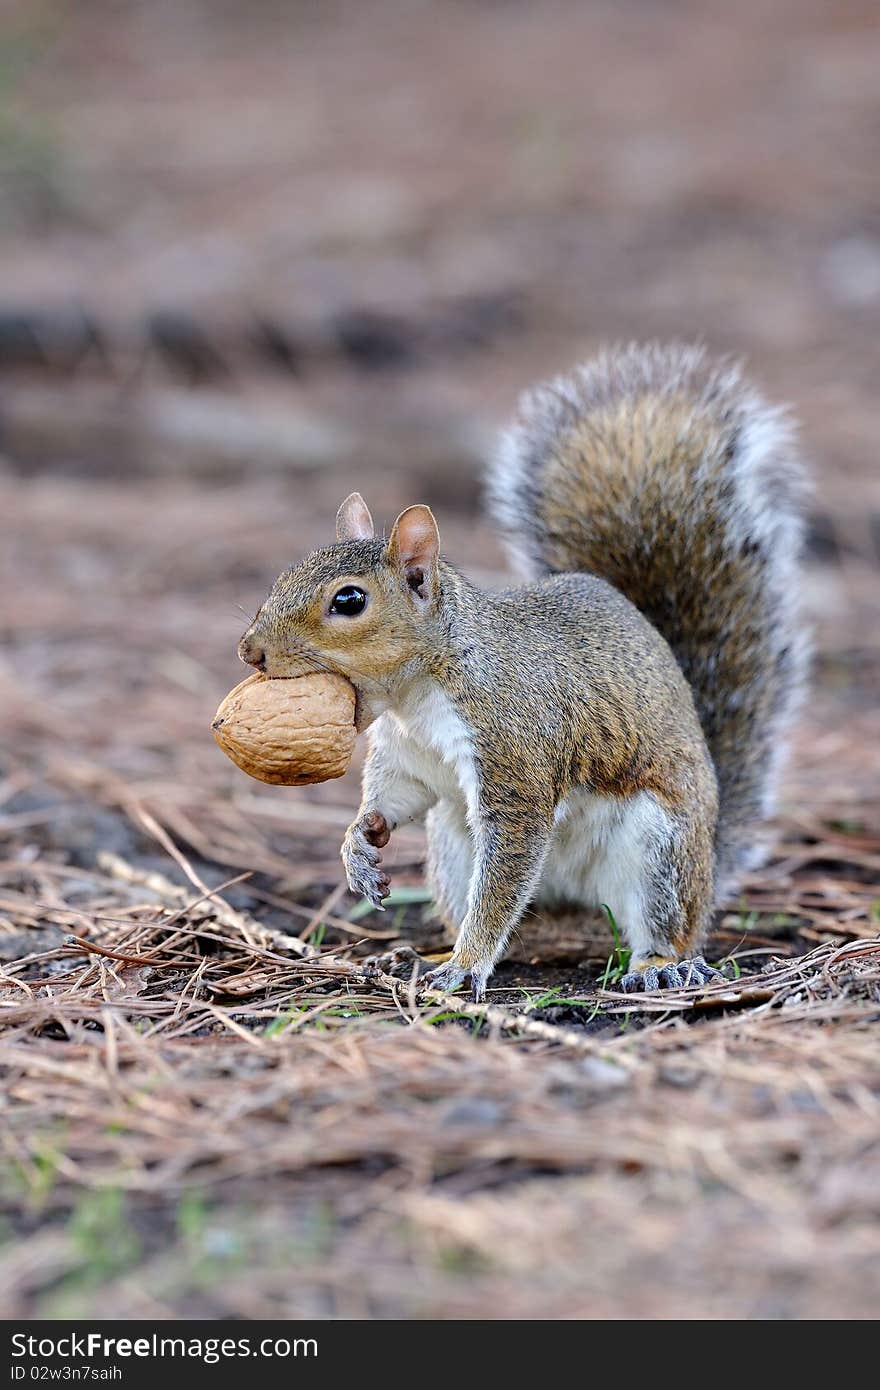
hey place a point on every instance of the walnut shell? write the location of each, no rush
(289, 731)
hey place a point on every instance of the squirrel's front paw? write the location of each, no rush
(401, 961)
(449, 976)
(362, 860)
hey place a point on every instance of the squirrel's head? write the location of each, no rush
(360, 607)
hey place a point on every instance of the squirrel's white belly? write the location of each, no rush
(598, 851)
(585, 824)
(599, 847)
(433, 745)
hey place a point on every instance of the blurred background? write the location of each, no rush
(254, 255)
(257, 254)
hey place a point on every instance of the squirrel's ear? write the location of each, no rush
(414, 548)
(353, 520)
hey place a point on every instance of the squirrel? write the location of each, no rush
(609, 734)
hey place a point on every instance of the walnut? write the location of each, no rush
(290, 731)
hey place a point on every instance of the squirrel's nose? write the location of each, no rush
(252, 652)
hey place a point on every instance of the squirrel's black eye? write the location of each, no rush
(348, 602)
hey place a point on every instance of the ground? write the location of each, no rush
(209, 1109)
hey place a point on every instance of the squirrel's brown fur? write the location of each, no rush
(671, 478)
(568, 740)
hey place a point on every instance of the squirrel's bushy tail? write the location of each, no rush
(668, 476)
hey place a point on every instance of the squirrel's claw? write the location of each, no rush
(403, 961)
(448, 977)
(368, 881)
(677, 975)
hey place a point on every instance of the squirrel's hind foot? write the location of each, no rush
(673, 975)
